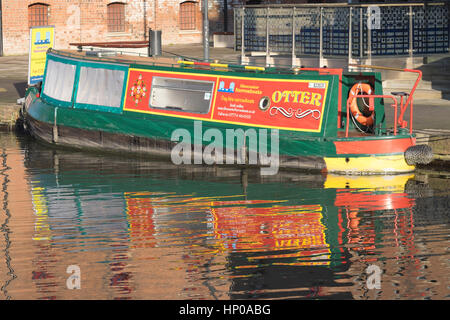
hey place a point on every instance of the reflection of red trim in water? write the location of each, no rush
(140, 218)
(272, 228)
(341, 232)
(121, 279)
(362, 236)
(239, 227)
(372, 201)
(404, 234)
(43, 276)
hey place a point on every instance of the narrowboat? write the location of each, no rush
(331, 120)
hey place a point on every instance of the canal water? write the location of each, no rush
(122, 227)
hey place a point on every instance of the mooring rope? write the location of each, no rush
(435, 135)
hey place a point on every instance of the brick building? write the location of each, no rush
(108, 21)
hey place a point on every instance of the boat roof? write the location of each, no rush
(119, 57)
(116, 57)
(173, 62)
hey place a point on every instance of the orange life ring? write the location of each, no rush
(357, 114)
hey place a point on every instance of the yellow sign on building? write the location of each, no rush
(41, 39)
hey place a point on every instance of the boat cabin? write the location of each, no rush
(308, 100)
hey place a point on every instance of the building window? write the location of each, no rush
(38, 15)
(116, 17)
(187, 15)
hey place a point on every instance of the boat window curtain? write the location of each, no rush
(100, 87)
(59, 80)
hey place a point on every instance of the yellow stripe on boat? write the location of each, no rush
(186, 62)
(219, 65)
(368, 165)
(255, 68)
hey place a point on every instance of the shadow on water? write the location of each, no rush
(21, 87)
(145, 229)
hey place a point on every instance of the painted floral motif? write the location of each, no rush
(138, 90)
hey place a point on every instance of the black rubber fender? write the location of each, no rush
(420, 154)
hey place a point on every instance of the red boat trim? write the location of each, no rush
(374, 146)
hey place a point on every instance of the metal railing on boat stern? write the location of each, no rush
(398, 119)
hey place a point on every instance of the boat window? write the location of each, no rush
(100, 87)
(59, 80)
(181, 94)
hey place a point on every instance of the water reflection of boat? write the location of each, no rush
(371, 193)
(356, 195)
(272, 233)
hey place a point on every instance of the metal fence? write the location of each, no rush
(330, 30)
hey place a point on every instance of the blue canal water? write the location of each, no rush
(137, 228)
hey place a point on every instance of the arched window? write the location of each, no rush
(116, 17)
(38, 14)
(187, 15)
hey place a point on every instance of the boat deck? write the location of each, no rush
(356, 134)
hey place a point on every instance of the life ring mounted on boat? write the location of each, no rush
(366, 119)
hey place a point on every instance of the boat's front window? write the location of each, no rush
(100, 87)
(59, 80)
(181, 94)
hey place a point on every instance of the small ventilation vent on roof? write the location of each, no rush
(95, 53)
